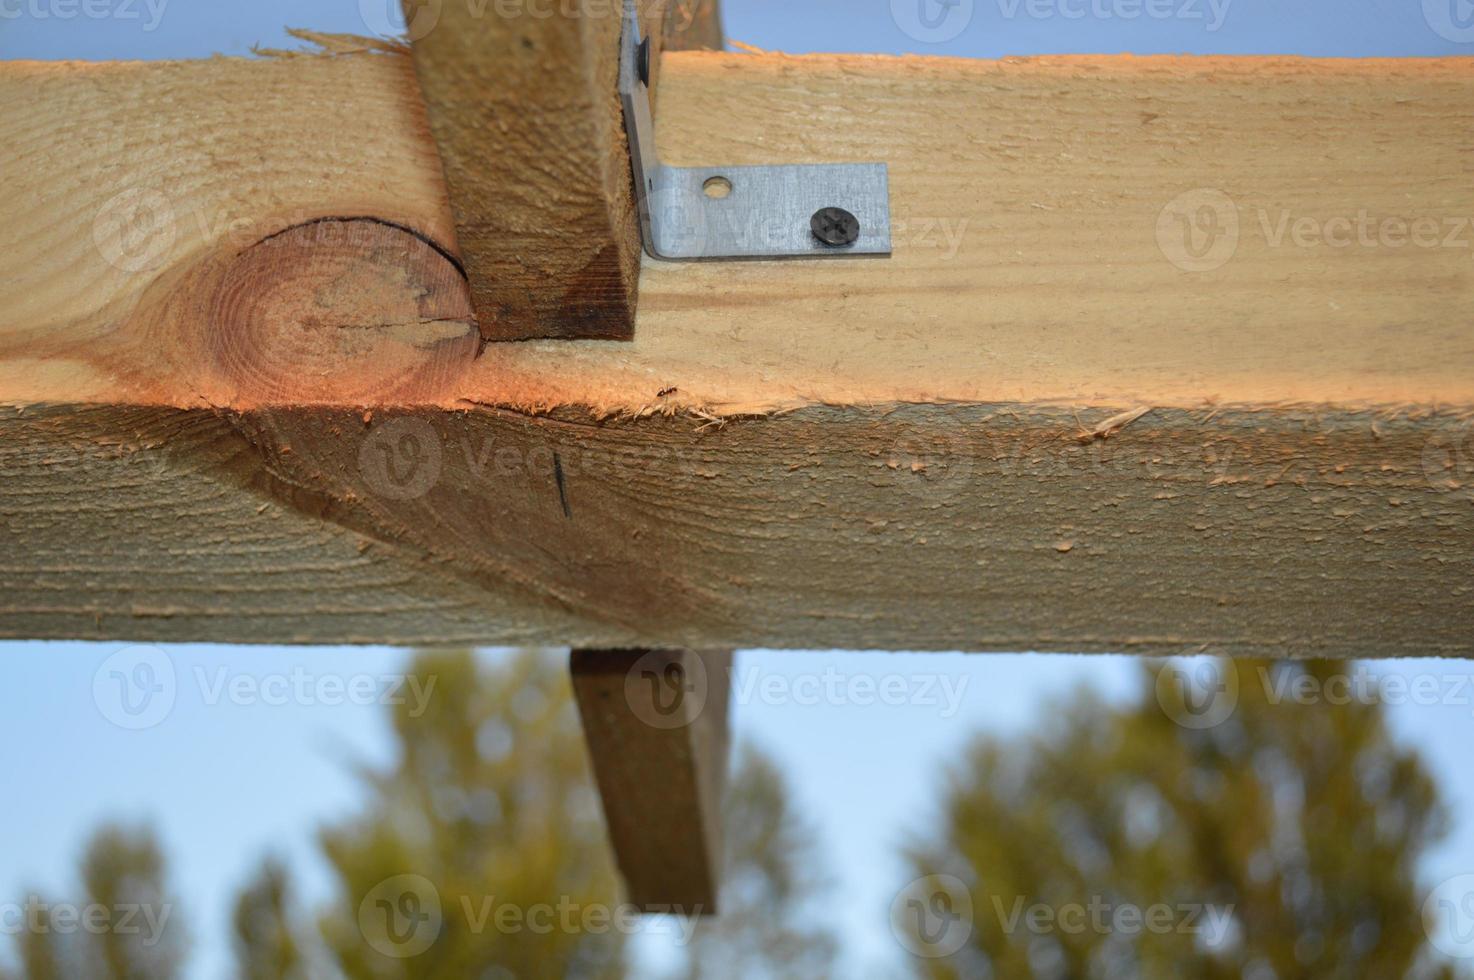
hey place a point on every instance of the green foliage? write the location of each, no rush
(492, 805)
(1300, 824)
(1293, 830)
(769, 886)
(266, 943)
(38, 947)
(125, 927)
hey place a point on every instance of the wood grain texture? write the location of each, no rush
(693, 25)
(655, 723)
(524, 108)
(945, 450)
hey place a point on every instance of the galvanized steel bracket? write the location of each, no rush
(786, 211)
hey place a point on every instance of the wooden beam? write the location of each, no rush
(655, 722)
(241, 399)
(523, 105)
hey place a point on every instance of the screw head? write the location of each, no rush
(835, 227)
(642, 61)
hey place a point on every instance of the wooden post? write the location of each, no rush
(656, 726)
(524, 110)
(692, 25)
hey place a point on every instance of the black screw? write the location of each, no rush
(643, 59)
(835, 227)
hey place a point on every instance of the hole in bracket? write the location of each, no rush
(778, 197)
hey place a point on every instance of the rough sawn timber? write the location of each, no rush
(655, 722)
(523, 105)
(243, 396)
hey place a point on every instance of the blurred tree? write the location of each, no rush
(1298, 826)
(770, 886)
(482, 851)
(123, 872)
(489, 811)
(127, 928)
(266, 938)
(36, 945)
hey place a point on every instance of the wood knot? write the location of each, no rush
(338, 311)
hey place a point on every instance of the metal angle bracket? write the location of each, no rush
(788, 211)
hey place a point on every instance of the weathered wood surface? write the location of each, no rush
(525, 112)
(655, 722)
(692, 25)
(227, 418)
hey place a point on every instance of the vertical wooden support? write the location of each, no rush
(692, 25)
(656, 726)
(523, 106)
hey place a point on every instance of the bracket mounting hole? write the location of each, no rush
(717, 188)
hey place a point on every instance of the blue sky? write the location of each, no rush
(229, 777)
(971, 28)
(228, 781)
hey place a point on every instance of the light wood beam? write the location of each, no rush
(243, 398)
